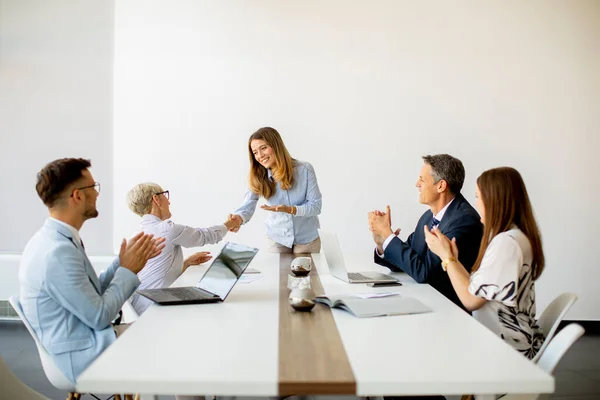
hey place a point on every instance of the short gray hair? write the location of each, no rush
(139, 198)
(448, 168)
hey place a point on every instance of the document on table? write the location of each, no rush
(378, 306)
(250, 278)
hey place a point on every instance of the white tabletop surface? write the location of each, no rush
(231, 348)
(219, 348)
(442, 352)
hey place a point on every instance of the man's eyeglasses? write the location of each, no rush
(166, 193)
(96, 186)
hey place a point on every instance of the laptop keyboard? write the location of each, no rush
(186, 293)
(355, 276)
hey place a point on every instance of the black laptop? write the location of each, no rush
(215, 285)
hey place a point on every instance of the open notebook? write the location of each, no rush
(374, 307)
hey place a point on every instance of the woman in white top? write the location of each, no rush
(500, 289)
(151, 202)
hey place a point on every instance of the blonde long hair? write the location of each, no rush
(282, 170)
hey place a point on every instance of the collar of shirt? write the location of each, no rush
(270, 174)
(150, 217)
(74, 231)
(441, 213)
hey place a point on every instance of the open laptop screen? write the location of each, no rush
(226, 269)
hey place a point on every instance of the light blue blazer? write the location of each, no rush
(67, 304)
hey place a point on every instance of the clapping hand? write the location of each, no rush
(439, 244)
(233, 222)
(134, 253)
(380, 224)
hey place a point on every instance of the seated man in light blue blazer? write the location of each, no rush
(67, 304)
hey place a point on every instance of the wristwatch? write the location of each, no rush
(446, 262)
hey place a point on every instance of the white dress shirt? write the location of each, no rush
(162, 270)
(437, 216)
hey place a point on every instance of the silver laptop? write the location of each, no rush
(335, 260)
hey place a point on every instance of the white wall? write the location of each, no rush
(362, 90)
(55, 101)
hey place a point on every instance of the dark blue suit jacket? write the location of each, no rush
(413, 256)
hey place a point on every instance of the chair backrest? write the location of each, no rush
(559, 345)
(557, 348)
(556, 311)
(13, 388)
(54, 375)
(552, 316)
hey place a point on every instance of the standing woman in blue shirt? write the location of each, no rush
(291, 191)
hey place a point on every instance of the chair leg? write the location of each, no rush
(128, 397)
(70, 396)
(77, 396)
(117, 397)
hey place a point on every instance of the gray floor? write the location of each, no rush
(577, 375)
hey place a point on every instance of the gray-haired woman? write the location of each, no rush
(151, 202)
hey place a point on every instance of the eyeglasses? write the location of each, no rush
(166, 193)
(96, 186)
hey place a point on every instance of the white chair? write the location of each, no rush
(551, 318)
(559, 346)
(13, 388)
(556, 349)
(54, 375)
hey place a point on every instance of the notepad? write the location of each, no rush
(374, 307)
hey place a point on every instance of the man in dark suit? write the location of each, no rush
(439, 184)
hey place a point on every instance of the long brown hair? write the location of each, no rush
(506, 202)
(283, 169)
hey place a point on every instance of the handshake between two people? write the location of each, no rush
(234, 221)
(135, 252)
(232, 224)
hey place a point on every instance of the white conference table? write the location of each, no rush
(236, 347)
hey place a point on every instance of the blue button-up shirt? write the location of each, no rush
(284, 228)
